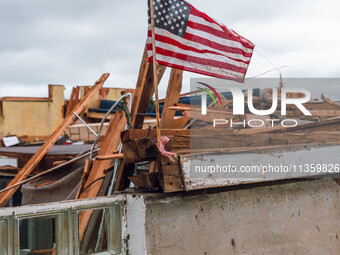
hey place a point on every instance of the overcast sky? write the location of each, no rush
(73, 42)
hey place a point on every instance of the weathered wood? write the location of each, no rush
(153, 167)
(133, 134)
(87, 167)
(109, 156)
(212, 113)
(70, 102)
(330, 124)
(145, 149)
(110, 144)
(76, 96)
(172, 95)
(181, 122)
(34, 161)
(144, 91)
(319, 113)
(334, 121)
(170, 172)
(328, 101)
(145, 180)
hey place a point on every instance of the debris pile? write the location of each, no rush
(123, 149)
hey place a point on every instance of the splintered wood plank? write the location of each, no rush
(144, 149)
(76, 95)
(110, 145)
(70, 102)
(145, 180)
(144, 90)
(34, 161)
(181, 122)
(170, 175)
(133, 134)
(319, 113)
(172, 95)
(141, 100)
(328, 101)
(110, 156)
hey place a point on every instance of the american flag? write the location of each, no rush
(190, 40)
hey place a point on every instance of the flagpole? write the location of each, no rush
(155, 78)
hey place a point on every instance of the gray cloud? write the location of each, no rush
(74, 42)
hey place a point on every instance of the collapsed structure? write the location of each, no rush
(126, 152)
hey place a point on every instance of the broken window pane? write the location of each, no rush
(93, 235)
(37, 235)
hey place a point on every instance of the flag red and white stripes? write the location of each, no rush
(190, 40)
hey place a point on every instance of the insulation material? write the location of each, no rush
(56, 186)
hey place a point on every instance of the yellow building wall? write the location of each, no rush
(33, 117)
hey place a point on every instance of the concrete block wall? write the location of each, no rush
(294, 218)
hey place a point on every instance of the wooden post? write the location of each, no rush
(144, 91)
(155, 81)
(172, 95)
(70, 102)
(110, 145)
(141, 100)
(38, 156)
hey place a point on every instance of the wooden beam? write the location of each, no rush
(181, 122)
(141, 100)
(110, 156)
(194, 112)
(34, 161)
(145, 180)
(97, 172)
(319, 113)
(70, 102)
(170, 175)
(144, 91)
(76, 96)
(328, 101)
(172, 95)
(133, 134)
(144, 149)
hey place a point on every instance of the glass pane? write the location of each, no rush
(3, 237)
(115, 223)
(92, 231)
(37, 235)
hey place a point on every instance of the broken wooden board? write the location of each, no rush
(170, 175)
(195, 112)
(180, 122)
(172, 95)
(133, 134)
(213, 170)
(97, 172)
(144, 90)
(318, 113)
(326, 125)
(144, 149)
(34, 161)
(140, 102)
(145, 180)
(328, 101)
